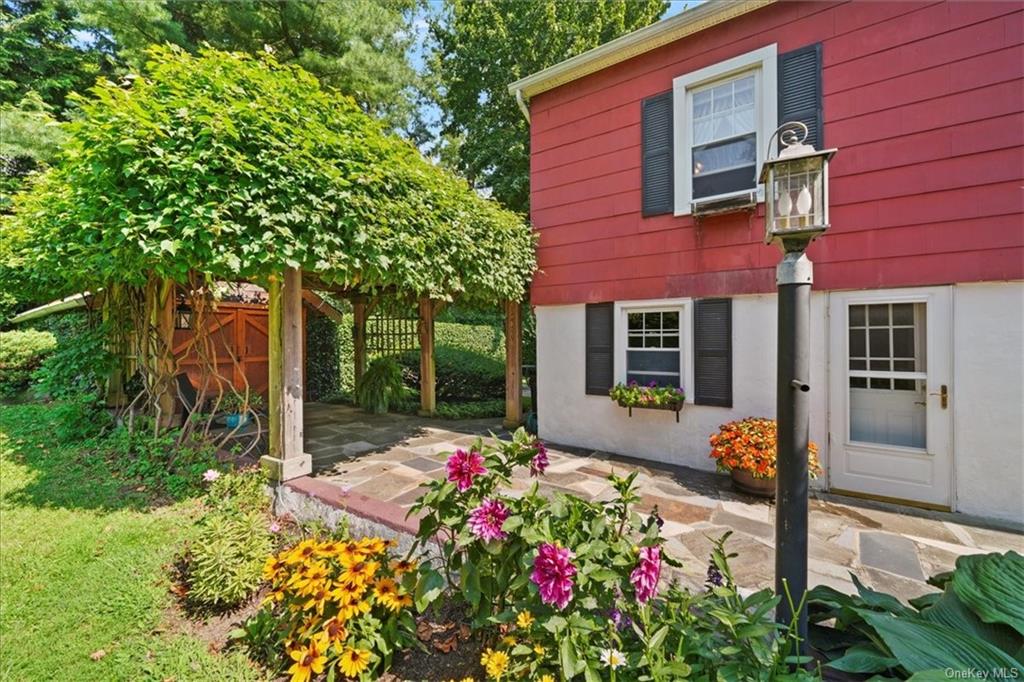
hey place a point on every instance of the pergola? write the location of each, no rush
(286, 458)
(228, 167)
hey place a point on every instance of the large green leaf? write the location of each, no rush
(864, 658)
(992, 585)
(919, 645)
(950, 611)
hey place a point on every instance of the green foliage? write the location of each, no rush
(158, 464)
(670, 635)
(90, 553)
(355, 46)
(239, 167)
(461, 375)
(323, 356)
(379, 386)
(634, 395)
(80, 417)
(44, 48)
(226, 560)
(21, 353)
(487, 340)
(80, 365)
(974, 624)
(482, 46)
(479, 409)
(241, 491)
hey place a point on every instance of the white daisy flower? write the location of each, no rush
(613, 658)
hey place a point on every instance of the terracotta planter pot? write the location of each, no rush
(745, 482)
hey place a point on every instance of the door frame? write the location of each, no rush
(939, 372)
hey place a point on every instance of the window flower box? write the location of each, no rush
(649, 397)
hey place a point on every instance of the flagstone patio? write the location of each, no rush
(376, 463)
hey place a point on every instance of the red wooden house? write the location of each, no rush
(644, 158)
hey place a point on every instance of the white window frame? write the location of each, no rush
(763, 64)
(684, 306)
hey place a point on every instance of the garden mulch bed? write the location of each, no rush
(450, 651)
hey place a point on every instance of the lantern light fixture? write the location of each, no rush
(796, 187)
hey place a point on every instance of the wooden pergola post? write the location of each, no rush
(359, 338)
(286, 459)
(428, 377)
(513, 365)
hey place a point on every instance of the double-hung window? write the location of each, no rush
(652, 347)
(723, 116)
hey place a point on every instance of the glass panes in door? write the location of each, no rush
(887, 367)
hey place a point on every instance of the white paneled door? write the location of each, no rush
(891, 396)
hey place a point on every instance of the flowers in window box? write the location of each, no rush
(750, 445)
(634, 394)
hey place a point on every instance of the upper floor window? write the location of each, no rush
(723, 115)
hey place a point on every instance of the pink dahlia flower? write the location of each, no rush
(646, 574)
(540, 461)
(463, 467)
(211, 475)
(552, 574)
(486, 520)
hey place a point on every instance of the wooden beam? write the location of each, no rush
(428, 378)
(359, 338)
(513, 364)
(286, 460)
(322, 306)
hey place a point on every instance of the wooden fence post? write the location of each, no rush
(167, 388)
(513, 365)
(428, 378)
(286, 459)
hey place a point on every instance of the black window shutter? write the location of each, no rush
(712, 352)
(656, 163)
(600, 348)
(800, 91)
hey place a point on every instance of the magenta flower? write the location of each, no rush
(552, 574)
(463, 467)
(486, 520)
(646, 574)
(540, 460)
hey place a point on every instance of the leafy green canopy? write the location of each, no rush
(482, 46)
(238, 166)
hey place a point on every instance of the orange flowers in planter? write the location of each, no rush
(750, 445)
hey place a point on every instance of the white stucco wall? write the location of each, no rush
(987, 395)
(567, 415)
(988, 399)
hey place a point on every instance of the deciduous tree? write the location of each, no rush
(483, 45)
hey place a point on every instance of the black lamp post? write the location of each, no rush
(796, 203)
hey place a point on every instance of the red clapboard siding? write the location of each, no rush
(923, 99)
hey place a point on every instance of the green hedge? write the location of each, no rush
(21, 353)
(486, 340)
(462, 375)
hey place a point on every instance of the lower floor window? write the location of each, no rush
(652, 348)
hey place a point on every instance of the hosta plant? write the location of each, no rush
(564, 588)
(975, 624)
(751, 445)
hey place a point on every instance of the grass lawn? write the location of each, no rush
(82, 568)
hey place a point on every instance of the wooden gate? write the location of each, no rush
(240, 342)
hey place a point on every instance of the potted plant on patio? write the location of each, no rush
(650, 397)
(380, 386)
(239, 408)
(747, 450)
